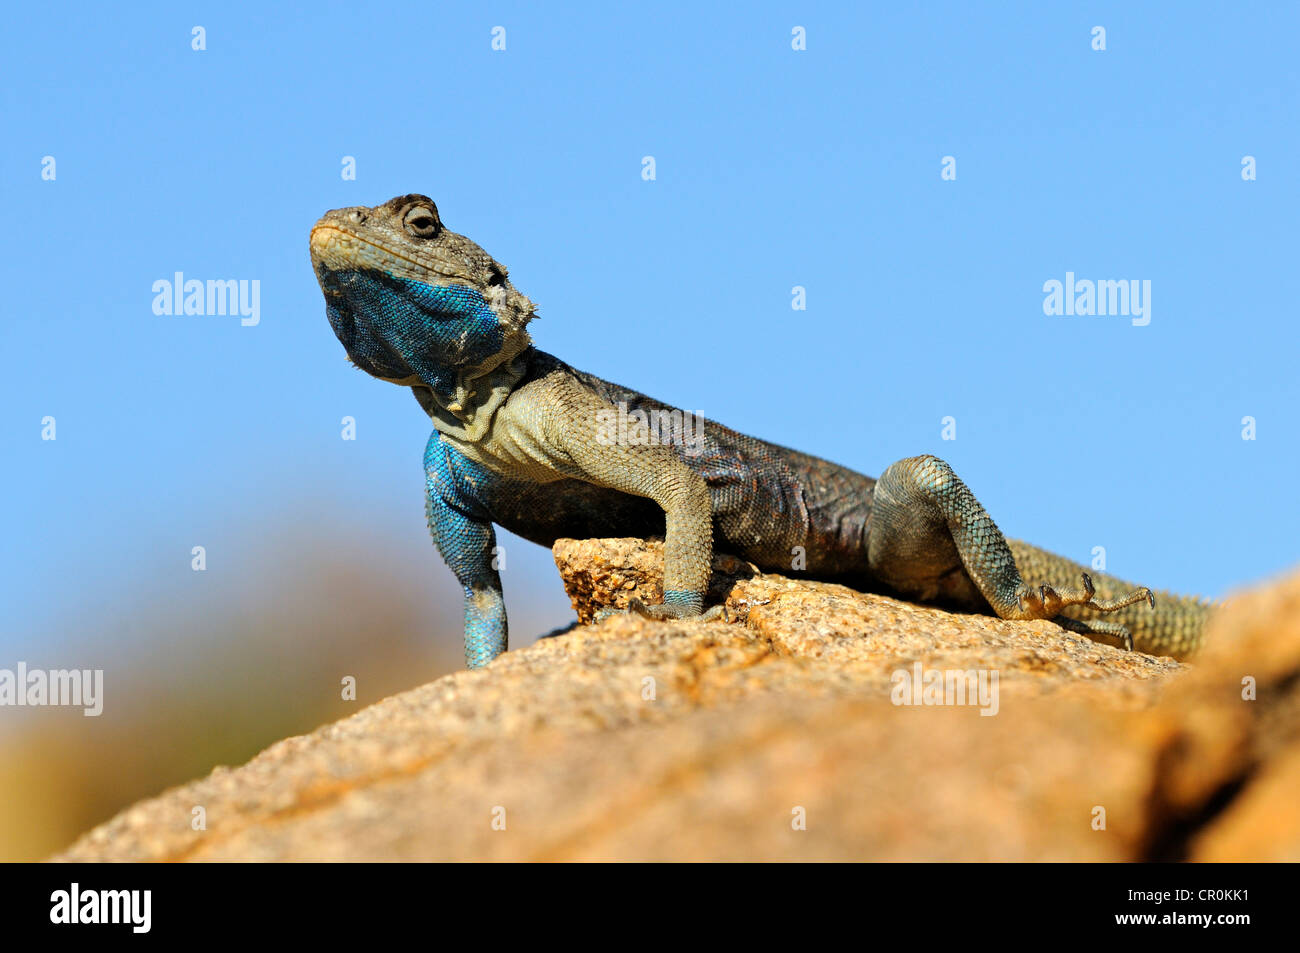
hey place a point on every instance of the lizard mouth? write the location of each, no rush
(338, 248)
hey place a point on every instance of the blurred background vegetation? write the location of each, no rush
(208, 669)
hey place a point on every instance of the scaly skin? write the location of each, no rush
(524, 441)
(1176, 627)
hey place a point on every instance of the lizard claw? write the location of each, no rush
(1094, 627)
(1047, 602)
(659, 612)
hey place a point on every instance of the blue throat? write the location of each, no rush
(396, 327)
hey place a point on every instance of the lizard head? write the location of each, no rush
(413, 302)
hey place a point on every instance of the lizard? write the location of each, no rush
(524, 441)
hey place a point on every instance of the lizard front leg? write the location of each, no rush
(465, 538)
(579, 428)
(930, 538)
(688, 520)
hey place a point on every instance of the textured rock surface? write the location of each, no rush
(633, 739)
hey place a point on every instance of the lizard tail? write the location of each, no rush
(1176, 626)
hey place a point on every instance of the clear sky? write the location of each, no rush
(775, 168)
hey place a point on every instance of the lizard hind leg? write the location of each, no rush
(931, 539)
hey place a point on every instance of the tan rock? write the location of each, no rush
(773, 736)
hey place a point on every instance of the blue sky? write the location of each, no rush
(775, 168)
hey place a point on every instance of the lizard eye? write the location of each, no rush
(422, 222)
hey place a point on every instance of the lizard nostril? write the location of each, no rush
(357, 216)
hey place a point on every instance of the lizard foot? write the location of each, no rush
(1095, 627)
(662, 611)
(1044, 602)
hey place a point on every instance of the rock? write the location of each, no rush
(772, 736)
